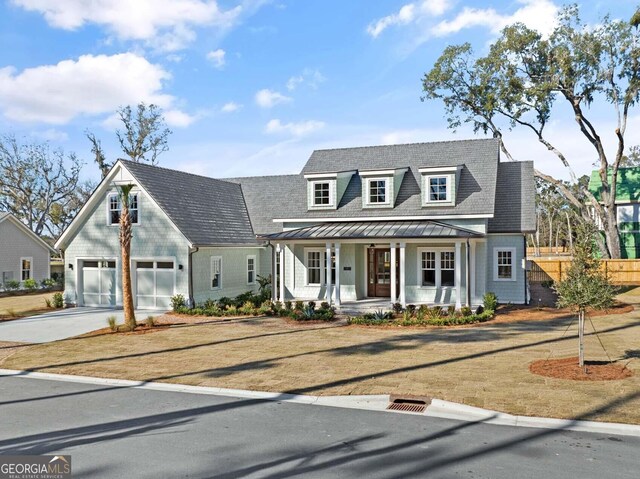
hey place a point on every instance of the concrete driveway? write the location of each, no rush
(61, 324)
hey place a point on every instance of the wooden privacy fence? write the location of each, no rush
(620, 271)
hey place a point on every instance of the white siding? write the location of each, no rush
(16, 244)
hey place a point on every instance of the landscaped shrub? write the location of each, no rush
(30, 284)
(150, 321)
(48, 283)
(299, 305)
(378, 315)
(12, 285)
(465, 311)
(429, 319)
(225, 302)
(58, 300)
(47, 301)
(490, 301)
(113, 325)
(312, 304)
(309, 314)
(397, 308)
(288, 305)
(411, 307)
(178, 302)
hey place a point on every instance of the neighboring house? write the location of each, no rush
(627, 208)
(438, 223)
(23, 255)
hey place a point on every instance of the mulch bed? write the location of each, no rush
(568, 368)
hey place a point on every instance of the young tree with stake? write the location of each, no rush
(585, 285)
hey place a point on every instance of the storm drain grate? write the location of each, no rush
(408, 405)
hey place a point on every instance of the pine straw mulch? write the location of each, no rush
(568, 368)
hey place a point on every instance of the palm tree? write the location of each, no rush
(126, 234)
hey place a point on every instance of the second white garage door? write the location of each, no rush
(155, 284)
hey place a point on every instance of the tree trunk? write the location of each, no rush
(612, 234)
(569, 232)
(581, 338)
(125, 247)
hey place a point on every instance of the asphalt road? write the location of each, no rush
(134, 433)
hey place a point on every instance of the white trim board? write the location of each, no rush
(379, 218)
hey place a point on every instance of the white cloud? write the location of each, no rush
(91, 85)
(217, 57)
(313, 78)
(230, 107)
(296, 129)
(268, 98)
(51, 134)
(178, 118)
(536, 14)
(165, 24)
(409, 13)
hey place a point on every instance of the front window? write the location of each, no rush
(251, 270)
(503, 264)
(447, 267)
(321, 194)
(25, 268)
(216, 272)
(377, 191)
(438, 188)
(314, 267)
(436, 268)
(428, 268)
(115, 206)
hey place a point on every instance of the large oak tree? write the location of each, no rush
(525, 79)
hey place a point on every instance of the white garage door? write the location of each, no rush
(99, 283)
(155, 282)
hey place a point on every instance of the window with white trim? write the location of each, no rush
(115, 206)
(428, 268)
(438, 188)
(26, 265)
(321, 193)
(447, 268)
(503, 264)
(436, 267)
(251, 269)
(216, 272)
(314, 267)
(377, 191)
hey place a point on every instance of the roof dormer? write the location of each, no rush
(380, 187)
(325, 190)
(439, 185)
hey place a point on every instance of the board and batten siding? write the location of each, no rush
(234, 271)
(16, 244)
(154, 237)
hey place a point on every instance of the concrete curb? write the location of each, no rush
(438, 408)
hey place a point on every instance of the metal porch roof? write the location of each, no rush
(374, 229)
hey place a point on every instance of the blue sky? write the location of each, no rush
(253, 87)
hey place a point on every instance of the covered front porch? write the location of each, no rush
(370, 265)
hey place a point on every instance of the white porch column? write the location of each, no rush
(337, 250)
(274, 284)
(457, 275)
(281, 253)
(403, 298)
(328, 274)
(394, 292)
(472, 270)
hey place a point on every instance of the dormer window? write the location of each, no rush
(321, 193)
(378, 191)
(438, 188)
(439, 185)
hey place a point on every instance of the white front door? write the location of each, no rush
(99, 283)
(154, 283)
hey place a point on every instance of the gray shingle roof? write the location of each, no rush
(515, 199)
(207, 211)
(376, 229)
(268, 197)
(476, 190)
